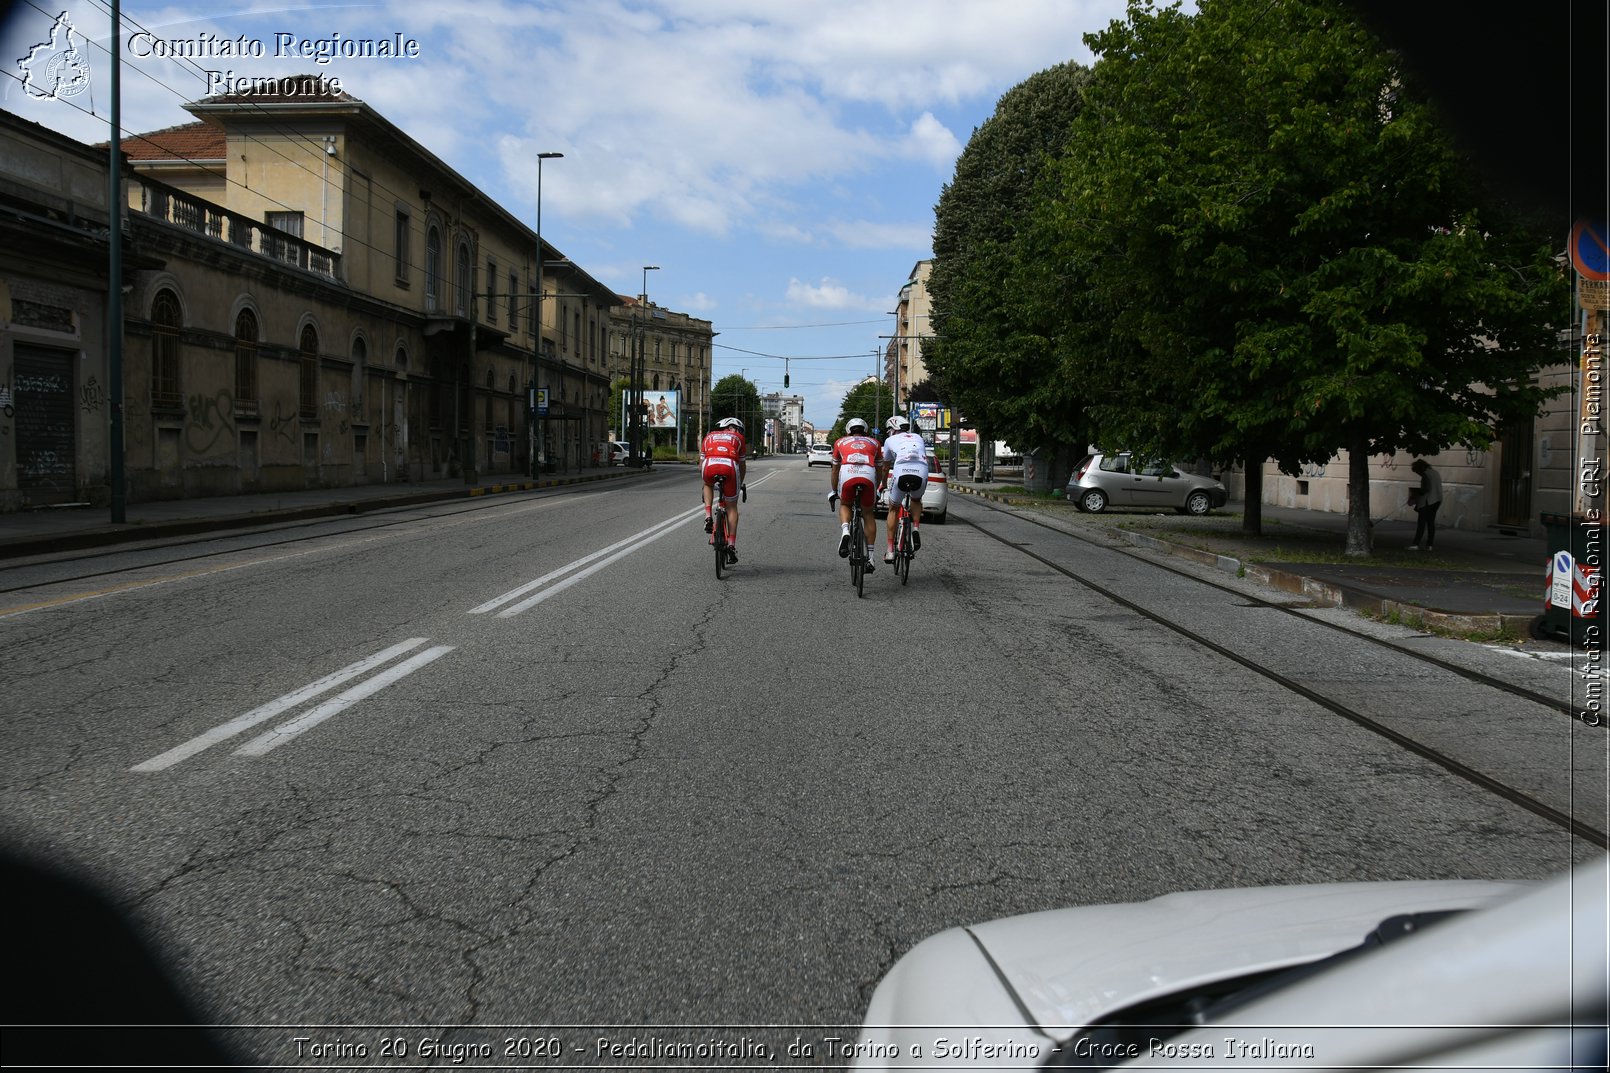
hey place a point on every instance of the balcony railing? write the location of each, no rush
(174, 206)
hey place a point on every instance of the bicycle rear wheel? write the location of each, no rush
(858, 550)
(720, 541)
(902, 551)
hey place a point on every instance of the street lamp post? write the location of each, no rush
(533, 436)
(640, 376)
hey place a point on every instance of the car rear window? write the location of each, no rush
(1114, 463)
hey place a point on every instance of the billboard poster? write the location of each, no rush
(930, 417)
(661, 409)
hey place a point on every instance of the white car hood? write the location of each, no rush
(990, 993)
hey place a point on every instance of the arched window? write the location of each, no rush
(402, 356)
(360, 359)
(246, 362)
(165, 394)
(309, 351)
(465, 279)
(433, 268)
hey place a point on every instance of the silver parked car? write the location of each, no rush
(1116, 480)
(1391, 975)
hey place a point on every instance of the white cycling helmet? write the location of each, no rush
(730, 422)
(855, 424)
(897, 424)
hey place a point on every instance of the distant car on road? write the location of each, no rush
(1117, 480)
(620, 452)
(819, 454)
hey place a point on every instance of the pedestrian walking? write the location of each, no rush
(1425, 500)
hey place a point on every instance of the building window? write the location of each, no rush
(246, 362)
(309, 350)
(491, 291)
(433, 269)
(401, 241)
(165, 352)
(463, 279)
(402, 356)
(289, 222)
(514, 320)
(360, 358)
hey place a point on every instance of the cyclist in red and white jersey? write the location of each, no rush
(905, 458)
(857, 470)
(724, 453)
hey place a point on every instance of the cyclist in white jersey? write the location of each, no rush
(905, 455)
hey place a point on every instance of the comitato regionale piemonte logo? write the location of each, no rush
(55, 68)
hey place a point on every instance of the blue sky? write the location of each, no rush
(778, 160)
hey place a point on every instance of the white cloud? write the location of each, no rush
(830, 294)
(867, 235)
(932, 141)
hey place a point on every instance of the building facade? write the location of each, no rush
(903, 364)
(311, 299)
(54, 401)
(672, 352)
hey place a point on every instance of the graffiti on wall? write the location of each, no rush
(211, 417)
(91, 396)
(281, 423)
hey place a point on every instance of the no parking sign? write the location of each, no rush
(1560, 595)
(1590, 255)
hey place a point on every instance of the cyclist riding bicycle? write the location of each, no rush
(724, 453)
(905, 457)
(857, 469)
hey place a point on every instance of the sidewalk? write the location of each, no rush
(36, 532)
(1476, 582)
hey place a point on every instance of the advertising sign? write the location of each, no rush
(661, 409)
(931, 416)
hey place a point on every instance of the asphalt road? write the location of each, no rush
(528, 763)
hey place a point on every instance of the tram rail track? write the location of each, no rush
(1460, 769)
(243, 539)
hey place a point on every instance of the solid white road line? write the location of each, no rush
(337, 704)
(620, 549)
(276, 706)
(652, 533)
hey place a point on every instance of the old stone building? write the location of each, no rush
(311, 299)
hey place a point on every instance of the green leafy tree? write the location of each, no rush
(617, 405)
(1280, 254)
(734, 396)
(992, 355)
(870, 400)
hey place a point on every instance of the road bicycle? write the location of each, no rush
(860, 555)
(904, 545)
(718, 522)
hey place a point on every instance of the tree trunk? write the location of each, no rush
(1252, 495)
(1358, 493)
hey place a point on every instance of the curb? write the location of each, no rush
(1324, 592)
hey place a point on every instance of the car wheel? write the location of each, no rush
(1093, 500)
(937, 519)
(1198, 503)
